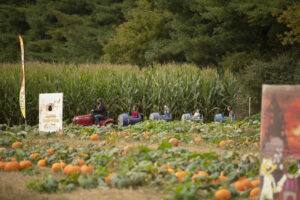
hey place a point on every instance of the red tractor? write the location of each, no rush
(87, 120)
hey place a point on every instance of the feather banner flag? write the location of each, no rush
(22, 97)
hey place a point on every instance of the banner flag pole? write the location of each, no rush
(22, 97)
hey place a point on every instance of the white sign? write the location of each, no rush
(50, 112)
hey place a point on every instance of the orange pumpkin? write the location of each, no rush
(147, 133)
(86, 169)
(108, 177)
(255, 183)
(223, 194)
(229, 142)
(114, 133)
(70, 169)
(242, 178)
(80, 162)
(42, 163)
(61, 133)
(239, 186)
(50, 151)
(128, 148)
(34, 155)
(203, 173)
(57, 167)
(125, 134)
(200, 173)
(63, 165)
(16, 144)
(247, 184)
(25, 164)
(242, 185)
(166, 167)
(166, 137)
(2, 165)
(256, 144)
(223, 143)
(13, 159)
(180, 175)
(174, 142)
(66, 169)
(197, 140)
(254, 192)
(11, 166)
(222, 178)
(94, 137)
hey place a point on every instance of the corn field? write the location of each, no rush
(182, 87)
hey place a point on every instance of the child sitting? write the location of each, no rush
(230, 112)
(166, 111)
(134, 113)
(197, 114)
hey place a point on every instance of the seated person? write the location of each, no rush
(230, 113)
(197, 114)
(134, 113)
(100, 112)
(166, 111)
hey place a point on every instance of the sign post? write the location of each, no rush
(280, 138)
(50, 112)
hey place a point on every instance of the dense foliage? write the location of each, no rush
(182, 88)
(146, 31)
(59, 30)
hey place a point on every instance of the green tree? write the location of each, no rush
(12, 22)
(59, 30)
(282, 69)
(291, 17)
(131, 43)
(208, 30)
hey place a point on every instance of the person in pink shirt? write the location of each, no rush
(134, 113)
(230, 112)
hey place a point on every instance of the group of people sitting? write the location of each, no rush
(100, 112)
(134, 113)
(197, 114)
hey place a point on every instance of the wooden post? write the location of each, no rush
(249, 106)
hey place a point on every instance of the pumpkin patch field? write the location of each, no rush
(149, 160)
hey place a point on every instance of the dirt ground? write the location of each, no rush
(13, 187)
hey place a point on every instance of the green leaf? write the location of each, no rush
(70, 187)
(164, 145)
(49, 184)
(87, 181)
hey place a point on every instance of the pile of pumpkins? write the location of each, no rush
(13, 165)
